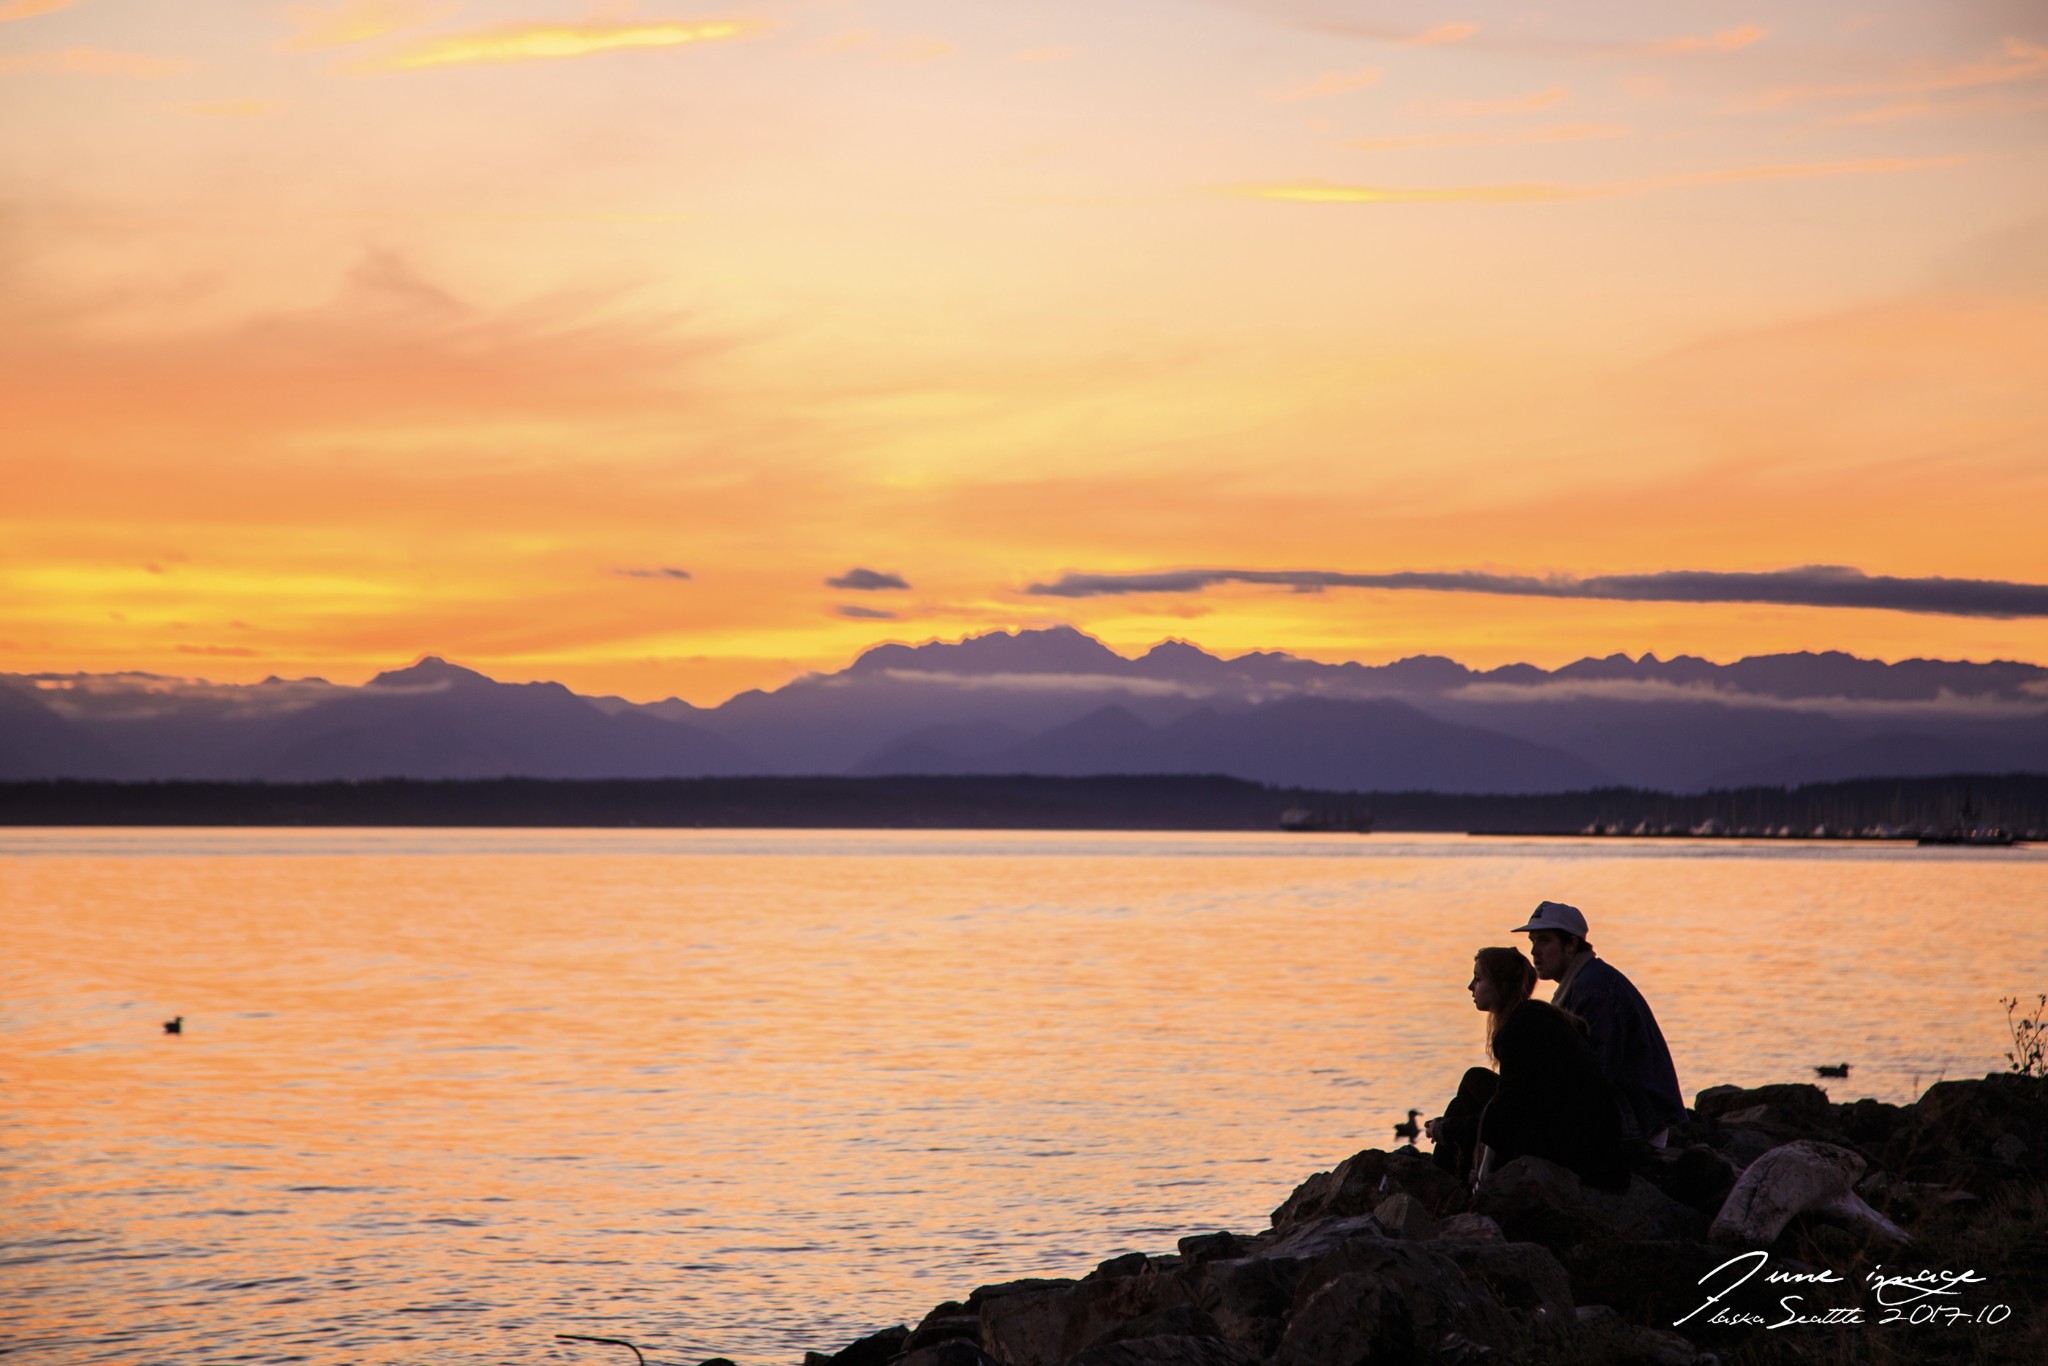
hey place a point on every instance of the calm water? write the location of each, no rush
(445, 1094)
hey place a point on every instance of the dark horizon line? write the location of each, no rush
(1159, 802)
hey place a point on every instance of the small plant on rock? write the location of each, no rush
(2029, 1055)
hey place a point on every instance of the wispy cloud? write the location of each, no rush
(550, 42)
(137, 696)
(29, 9)
(1520, 137)
(1727, 40)
(659, 572)
(359, 21)
(1328, 84)
(1945, 703)
(1991, 102)
(1314, 193)
(92, 61)
(1809, 586)
(1455, 32)
(2019, 61)
(1516, 104)
(867, 581)
(855, 612)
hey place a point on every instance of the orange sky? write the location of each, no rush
(338, 333)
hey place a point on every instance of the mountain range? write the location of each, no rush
(1058, 702)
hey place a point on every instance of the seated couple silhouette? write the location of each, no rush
(1584, 1080)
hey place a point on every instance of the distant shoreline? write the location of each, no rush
(1873, 809)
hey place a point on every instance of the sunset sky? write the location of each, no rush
(594, 341)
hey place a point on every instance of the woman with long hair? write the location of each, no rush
(1501, 980)
(1550, 1099)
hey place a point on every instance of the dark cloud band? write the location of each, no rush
(1810, 586)
(867, 580)
(662, 572)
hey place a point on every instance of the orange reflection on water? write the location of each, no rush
(747, 1094)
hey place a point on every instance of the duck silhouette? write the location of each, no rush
(175, 1025)
(1840, 1069)
(1408, 1128)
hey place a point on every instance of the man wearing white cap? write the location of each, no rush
(1623, 1030)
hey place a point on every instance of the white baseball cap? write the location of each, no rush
(1555, 915)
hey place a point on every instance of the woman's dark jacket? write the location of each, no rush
(1552, 1101)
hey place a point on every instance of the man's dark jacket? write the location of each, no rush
(1629, 1045)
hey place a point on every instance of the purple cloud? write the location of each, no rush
(1817, 585)
(867, 581)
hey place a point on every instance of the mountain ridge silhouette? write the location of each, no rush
(1058, 701)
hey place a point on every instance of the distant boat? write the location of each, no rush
(1968, 831)
(1302, 820)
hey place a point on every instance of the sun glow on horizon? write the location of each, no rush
(366, 329)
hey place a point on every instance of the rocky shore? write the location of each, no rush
(1778, 1227)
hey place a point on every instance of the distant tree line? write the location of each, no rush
(2016, 802)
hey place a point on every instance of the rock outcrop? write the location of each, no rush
(1796, 1178)
(1386, 1258)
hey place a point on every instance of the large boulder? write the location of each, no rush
(1409, 1297)
(1316, 1237)
(1805, 1177)
(876, 1349)
(1360, 1182)
(1695, 1175)
(1302, 1293)
(1349, 1320)
(1792, 1103)
(1871, 1123)
(1538, 1201)
(1178, 1321)
(1198, 1249)
(1248, 1297)
(1049, 1323)
(948, 1322)
(1178, 1336)
(1978, 1134)
(1742, 1144)
(1404, 1216)
(1522, 1276)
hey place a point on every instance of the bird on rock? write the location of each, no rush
(1408, 1129)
